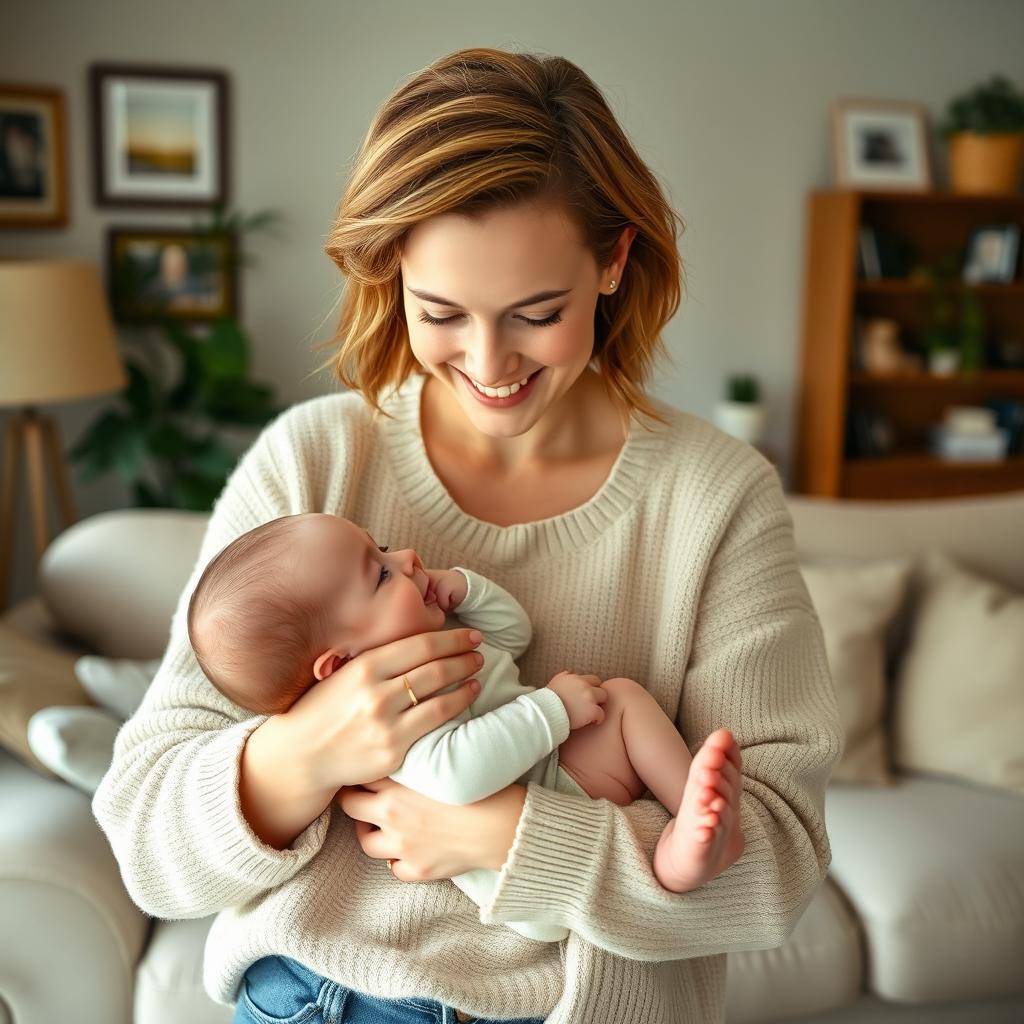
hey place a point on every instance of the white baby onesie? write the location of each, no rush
(510, 733)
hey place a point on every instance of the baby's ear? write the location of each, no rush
(329, 662)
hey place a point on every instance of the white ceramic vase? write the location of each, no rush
(744, 420)
(944, 362)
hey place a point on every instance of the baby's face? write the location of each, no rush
(376, 595)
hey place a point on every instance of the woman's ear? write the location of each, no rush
(329, 662)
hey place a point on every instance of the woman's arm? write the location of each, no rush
(169, 804)
(757, 667)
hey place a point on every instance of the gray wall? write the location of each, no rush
(726, 100)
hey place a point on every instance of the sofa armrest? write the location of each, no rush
(112, 581)
(64, 911)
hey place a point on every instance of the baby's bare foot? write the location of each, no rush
(704, 838)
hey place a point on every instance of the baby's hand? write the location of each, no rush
(448, 587)
(582, 695)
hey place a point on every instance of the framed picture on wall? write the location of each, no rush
(156, 273)
(880, 144)
(33, 157)
(160, 135)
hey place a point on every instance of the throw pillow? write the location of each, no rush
(958, 698)
(75, 743)
(32, 677)
(856, 604)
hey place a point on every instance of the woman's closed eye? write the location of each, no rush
(555, 318)
(385, 572)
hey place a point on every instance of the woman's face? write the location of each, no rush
(474, 275)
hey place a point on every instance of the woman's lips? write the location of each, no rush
(501, 403)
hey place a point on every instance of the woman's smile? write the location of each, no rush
(506, 397)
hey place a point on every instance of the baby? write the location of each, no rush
(286, 604)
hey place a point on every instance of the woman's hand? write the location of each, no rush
(356, 724)
(428, 840)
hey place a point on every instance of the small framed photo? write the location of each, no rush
(880, 144)
(992, 253)
(160, 136)
(156, 274)
(33, 157)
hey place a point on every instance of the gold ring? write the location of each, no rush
(412, 696)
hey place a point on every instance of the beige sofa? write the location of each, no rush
(896, 933)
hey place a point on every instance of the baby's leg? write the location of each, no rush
(637, 745)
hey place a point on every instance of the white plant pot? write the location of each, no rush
(944, 362)
(744, 420)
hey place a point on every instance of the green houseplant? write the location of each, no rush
(985, 130)
(188, 387)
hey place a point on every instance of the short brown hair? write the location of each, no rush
(243, 604)
(483, 128)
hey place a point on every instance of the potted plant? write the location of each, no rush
(188, 389)
(985, 129)
(741, 412)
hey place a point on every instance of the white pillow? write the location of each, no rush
(958, 696)
(857, 603)
(77, 743)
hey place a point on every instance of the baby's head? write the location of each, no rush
(289, 602)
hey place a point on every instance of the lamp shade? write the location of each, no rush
(57, 340)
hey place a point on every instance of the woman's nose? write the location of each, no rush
(487, 360)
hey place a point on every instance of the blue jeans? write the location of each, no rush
(280, 990)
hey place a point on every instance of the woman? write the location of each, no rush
(497, 228)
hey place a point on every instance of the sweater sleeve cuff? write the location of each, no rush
(230, 838)
(554, 859)
(553, 710)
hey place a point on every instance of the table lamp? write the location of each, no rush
(57, 344)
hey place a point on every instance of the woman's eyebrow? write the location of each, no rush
(528, 301)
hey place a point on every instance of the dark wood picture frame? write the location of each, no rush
(205, 153)
(185, 259)
(33, 130)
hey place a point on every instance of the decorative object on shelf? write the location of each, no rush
(160, 135)
(972, 333)
(940, 336)
(880, 144)
(157, 274)
(985, 130)
(992, 253)
(741, 413)
(33, 157)
(881, 254)
(167, 438)
(59, 345)
(969, 434)
(877, 348)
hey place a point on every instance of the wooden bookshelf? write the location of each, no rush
(934, 224)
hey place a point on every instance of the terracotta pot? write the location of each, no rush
(986, 163)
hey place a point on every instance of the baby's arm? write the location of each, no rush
(495, 612)
(466, 759)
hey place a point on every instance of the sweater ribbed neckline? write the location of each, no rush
(566, 532)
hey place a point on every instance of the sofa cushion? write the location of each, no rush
(958, 695)
(856, 604)
(113, 580)
(934, 870)
(32, 676)
(818, 968)
(169, 981)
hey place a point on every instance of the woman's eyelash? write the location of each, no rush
(384, 572)
(555, 318)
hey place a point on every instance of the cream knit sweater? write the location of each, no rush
(680, 572)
